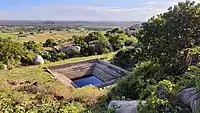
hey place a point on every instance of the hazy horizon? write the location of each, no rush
(87, 10)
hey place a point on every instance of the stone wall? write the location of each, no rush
(75, 70)
(103, 70)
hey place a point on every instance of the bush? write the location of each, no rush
(131, 41)
(191, 78)
(27, 58)
(117, 41)
(127, 58)
(79, 41)
(2, 66)
(132, 85)
(98, 43)
(168, 37)
(32, 46)
(50, 43)
(10, 51)
(61, 56)
(162, 99)
(46, 56)
(103, 45)
(94, 43)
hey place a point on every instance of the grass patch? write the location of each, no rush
(54, 35)
(40, 91)
(6, 35)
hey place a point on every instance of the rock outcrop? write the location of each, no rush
(191, 98)
(71, 49)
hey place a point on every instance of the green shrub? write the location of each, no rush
(93, 43)
(127, 58)
(32, 46)
(46, 56)
(117, 41)
(61, 56)
(10, 51)
(166, 38)
(191, 78)
(79, 40)
(103, 45)
(132, 85)
(50, 43)
(2, 66)
(131, 41)
(27, 58)
(162, 99)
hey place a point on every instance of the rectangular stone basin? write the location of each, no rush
(96, 72)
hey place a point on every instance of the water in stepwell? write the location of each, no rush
(89, 80)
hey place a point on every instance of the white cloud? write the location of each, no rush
(144, 10)
(87, 13)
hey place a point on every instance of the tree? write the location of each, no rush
(131, 41)
(31, 45)
(50, 42)
(92, 36)
(103, 45)
(168, 37)
(10, 51)
(127, 58)
(79, 40)
(97, 43)
(117, 41)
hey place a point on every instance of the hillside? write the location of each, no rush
(17, 84)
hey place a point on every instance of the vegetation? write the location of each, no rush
(32, 46)
(10, 51)
(50, 43)
(168, 62)
(162, 57)
(31, 89)
(127, 58)
(161, 35)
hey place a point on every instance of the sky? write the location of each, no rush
(83, 10)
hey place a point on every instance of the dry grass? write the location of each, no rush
(55, 35)
(6, 35)
(39, 75)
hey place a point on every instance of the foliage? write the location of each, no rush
(50, 43)
(193, 78)
(162, 99)
(131, 41)
(97, 43)
(114, 31)
(132, 85)
(93, 36)
(47, 55)
(1, 66)
(27, 58)
(117, 41)
(61, 56)
(127, 58)
(103, 45)
(79, 40)
(32, 46)
(10, 51)
(167, 37)
(40, 103)
(93, 43)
